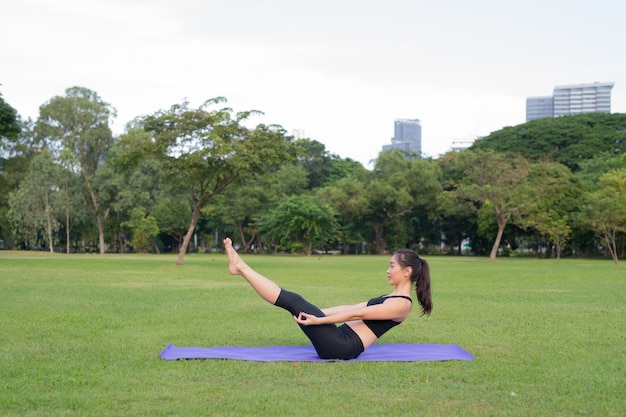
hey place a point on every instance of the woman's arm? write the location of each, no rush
(393, 309)
(341, 309)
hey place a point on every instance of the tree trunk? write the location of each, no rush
(67, 219)
(259, 243)
(609, 240)
(100, 223)
(67, 230)
(380, 244)
(194, 219)
(99, 218)
(49, 229)
(156, 247)
(344, 240)
(496, 244)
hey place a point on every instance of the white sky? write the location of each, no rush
(341, 70)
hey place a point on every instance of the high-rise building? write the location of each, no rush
(407, 136)
(571, 99)
(582, 98)
(539, 107)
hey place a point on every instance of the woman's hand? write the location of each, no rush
(307, 319)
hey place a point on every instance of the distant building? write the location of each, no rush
(407, 136)
(568, 100)
(582, 98)
(459, 145)
(539, 107)
(298, 134)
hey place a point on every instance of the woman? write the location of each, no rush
(363, 323)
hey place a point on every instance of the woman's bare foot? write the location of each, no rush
(235, 263)
(268, 290)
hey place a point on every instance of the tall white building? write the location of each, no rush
(582, 98)
(567, 100)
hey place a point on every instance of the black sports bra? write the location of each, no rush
(380, 327)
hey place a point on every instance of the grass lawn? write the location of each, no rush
(81, 336)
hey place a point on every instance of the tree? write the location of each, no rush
(79, 122)
(239, 208)
(457, 217)
(605, 211)
(583, 237)
(397, 186)
(36, 205)
(556, 202)
(73, 203)
(302, 220)
(14, 163)
(204, 151)
(134, 191)
(499, 180)
(347, 199)
(570, 140)
(171, 213)
(322, 167)
(144, 228)
(591, 170)
(9, 123)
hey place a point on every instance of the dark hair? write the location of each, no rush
(420, 275)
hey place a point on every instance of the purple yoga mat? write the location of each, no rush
(377, 352)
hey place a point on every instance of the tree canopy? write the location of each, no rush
(78, 124)
(498, 182)
(570, 140)
(9, 122)
(194, 174)
(204, 150)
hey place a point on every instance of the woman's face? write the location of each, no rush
(396, 273)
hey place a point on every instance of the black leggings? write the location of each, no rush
(329, 340)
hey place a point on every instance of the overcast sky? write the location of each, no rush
(341, 71)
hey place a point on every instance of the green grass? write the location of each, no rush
(81, 335)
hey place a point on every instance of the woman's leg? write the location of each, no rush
(330, 341)
(267, 289)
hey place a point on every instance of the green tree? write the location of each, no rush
(301, 220)
(144, 229)
(9, 124)
(457, 217)
(583, 237)
(570, 140)
(204, 151)
(397, 186)
(556, 203)
(605, 211)
(347, 199)
(79, 122)
(239, 208)
(140, 186)
(171, 212)
(15, 160)
(592, 169)
(322, 167)
(315, 159)
(36, 204)
(73, 203)
(499, 180)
